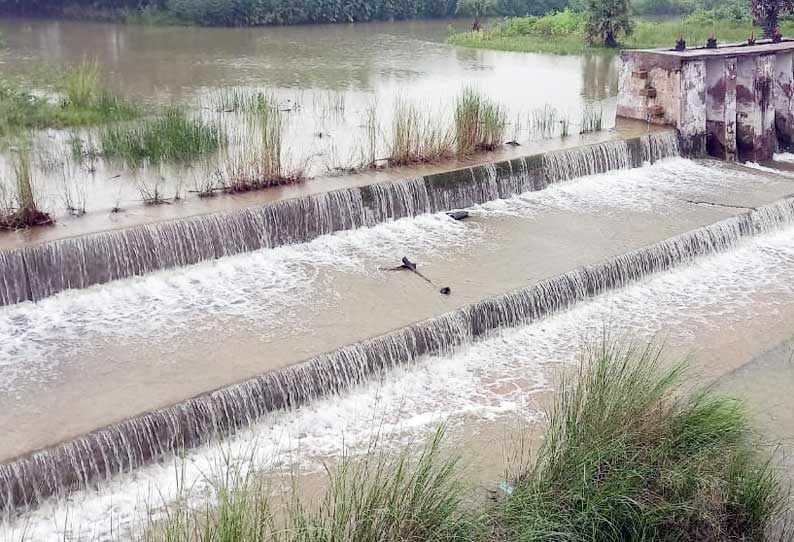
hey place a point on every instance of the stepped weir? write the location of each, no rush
(97, 456)
(38, 271)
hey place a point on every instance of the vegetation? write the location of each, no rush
(480, 123)
(607, 21)
(18, 203)
(627, 455)
(171, 136)
(418, 138)
(80, 101)
(768, 13)
(565, 32)
(261, 161)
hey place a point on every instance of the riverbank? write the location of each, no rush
(563, 33)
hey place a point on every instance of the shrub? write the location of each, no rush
(629, 456)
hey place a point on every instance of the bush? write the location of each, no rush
(628, 456)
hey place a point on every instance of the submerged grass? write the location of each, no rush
(418, 137)
(19, 205)
(82, 101)
(480, 123)
(171, 136)
(628, 455)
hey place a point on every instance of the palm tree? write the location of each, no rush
(478, 8)
(767, 12)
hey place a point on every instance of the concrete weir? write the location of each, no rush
(124, 446)
(37, 271)
(734, 102)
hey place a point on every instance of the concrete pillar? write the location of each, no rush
(731, 152)
(784, 93)
(766, 144)
(748, 115)
(721, 107)
(692, 116)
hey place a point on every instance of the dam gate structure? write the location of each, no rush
(734, 102)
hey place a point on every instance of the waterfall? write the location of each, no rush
(97, 456)
(38, 271)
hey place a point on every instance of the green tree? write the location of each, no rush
(767, 12)
(476, 8)
(607, 20)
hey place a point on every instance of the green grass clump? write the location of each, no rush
(418, 138)
(171, 136)
(82, 102)
(381, 498)
(629, 456)
(480, 123)
(19, 206)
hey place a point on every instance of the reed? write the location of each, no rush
(169, 137)
(480, 123)
(237, 100)
(592, 120)
(19, 202)
(384, 497)
(262, 163)
(629, 455)
(545, 121)
(418, 138)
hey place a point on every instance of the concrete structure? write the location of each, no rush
(733, 102)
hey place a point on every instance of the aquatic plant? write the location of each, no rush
(545, 121)
(238, 100)
(418, 137)
(83, 102)
(480, 123)
(170, 136)
(592, 120)
(19, 207)
(628, 455)
(261, 163)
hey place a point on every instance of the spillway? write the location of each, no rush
(41, 270)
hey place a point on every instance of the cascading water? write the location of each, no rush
(134, 442)
(39, 271)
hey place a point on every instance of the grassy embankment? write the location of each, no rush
(564, 33)
(628, 455)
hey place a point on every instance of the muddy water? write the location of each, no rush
(326, 77)
(719, 313)
(84, 359)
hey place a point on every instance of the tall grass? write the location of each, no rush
(237, 100)
(418, 137)
(171, 136)
(82, 102)
(628, 455)
(592, 120)
(19, 205)
(261, 162)
(480, 123)
(383, 498)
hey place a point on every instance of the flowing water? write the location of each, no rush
(326, 77)
(273, 323)
(35, 272)
(697, 310)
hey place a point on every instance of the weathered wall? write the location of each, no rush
(734, 103)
